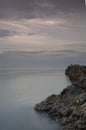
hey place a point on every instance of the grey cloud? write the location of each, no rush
(6, 33)
(66, 51)
(76, 45)
(75, 48)
(26, 52)
(31, 34)
(69, 5)
(71, 12)
(38, 8)
(45, 52)
(12, 32)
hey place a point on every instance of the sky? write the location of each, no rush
(50, 27)
(34, 25)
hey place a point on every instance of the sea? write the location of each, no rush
(26, 79)
(21, 89)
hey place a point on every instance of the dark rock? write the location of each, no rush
(74, 72)
(82, 82)
(69, 107)
(47, 104)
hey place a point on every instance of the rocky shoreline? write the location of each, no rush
(69, 107)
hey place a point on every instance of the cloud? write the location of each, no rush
(41, 24)
(6, 33)
(77, 46)
(38, 8)
(14, 28)
(27, 27)
(65, 51)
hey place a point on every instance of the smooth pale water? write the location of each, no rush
(21, 89)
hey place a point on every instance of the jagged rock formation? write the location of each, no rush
(75, 72)
(69, 107)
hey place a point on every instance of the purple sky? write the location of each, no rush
(50, 26)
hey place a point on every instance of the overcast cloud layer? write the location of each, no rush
(38, 8)
(42, 25)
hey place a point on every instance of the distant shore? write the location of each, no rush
(69, 107)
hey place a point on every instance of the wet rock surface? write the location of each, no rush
(69, 107)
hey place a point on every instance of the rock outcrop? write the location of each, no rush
(74, 72)
(69, 107)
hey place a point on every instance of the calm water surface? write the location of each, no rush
(21, 89)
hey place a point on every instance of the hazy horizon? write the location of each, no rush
(21, 59)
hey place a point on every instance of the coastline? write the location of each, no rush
(69, 107)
